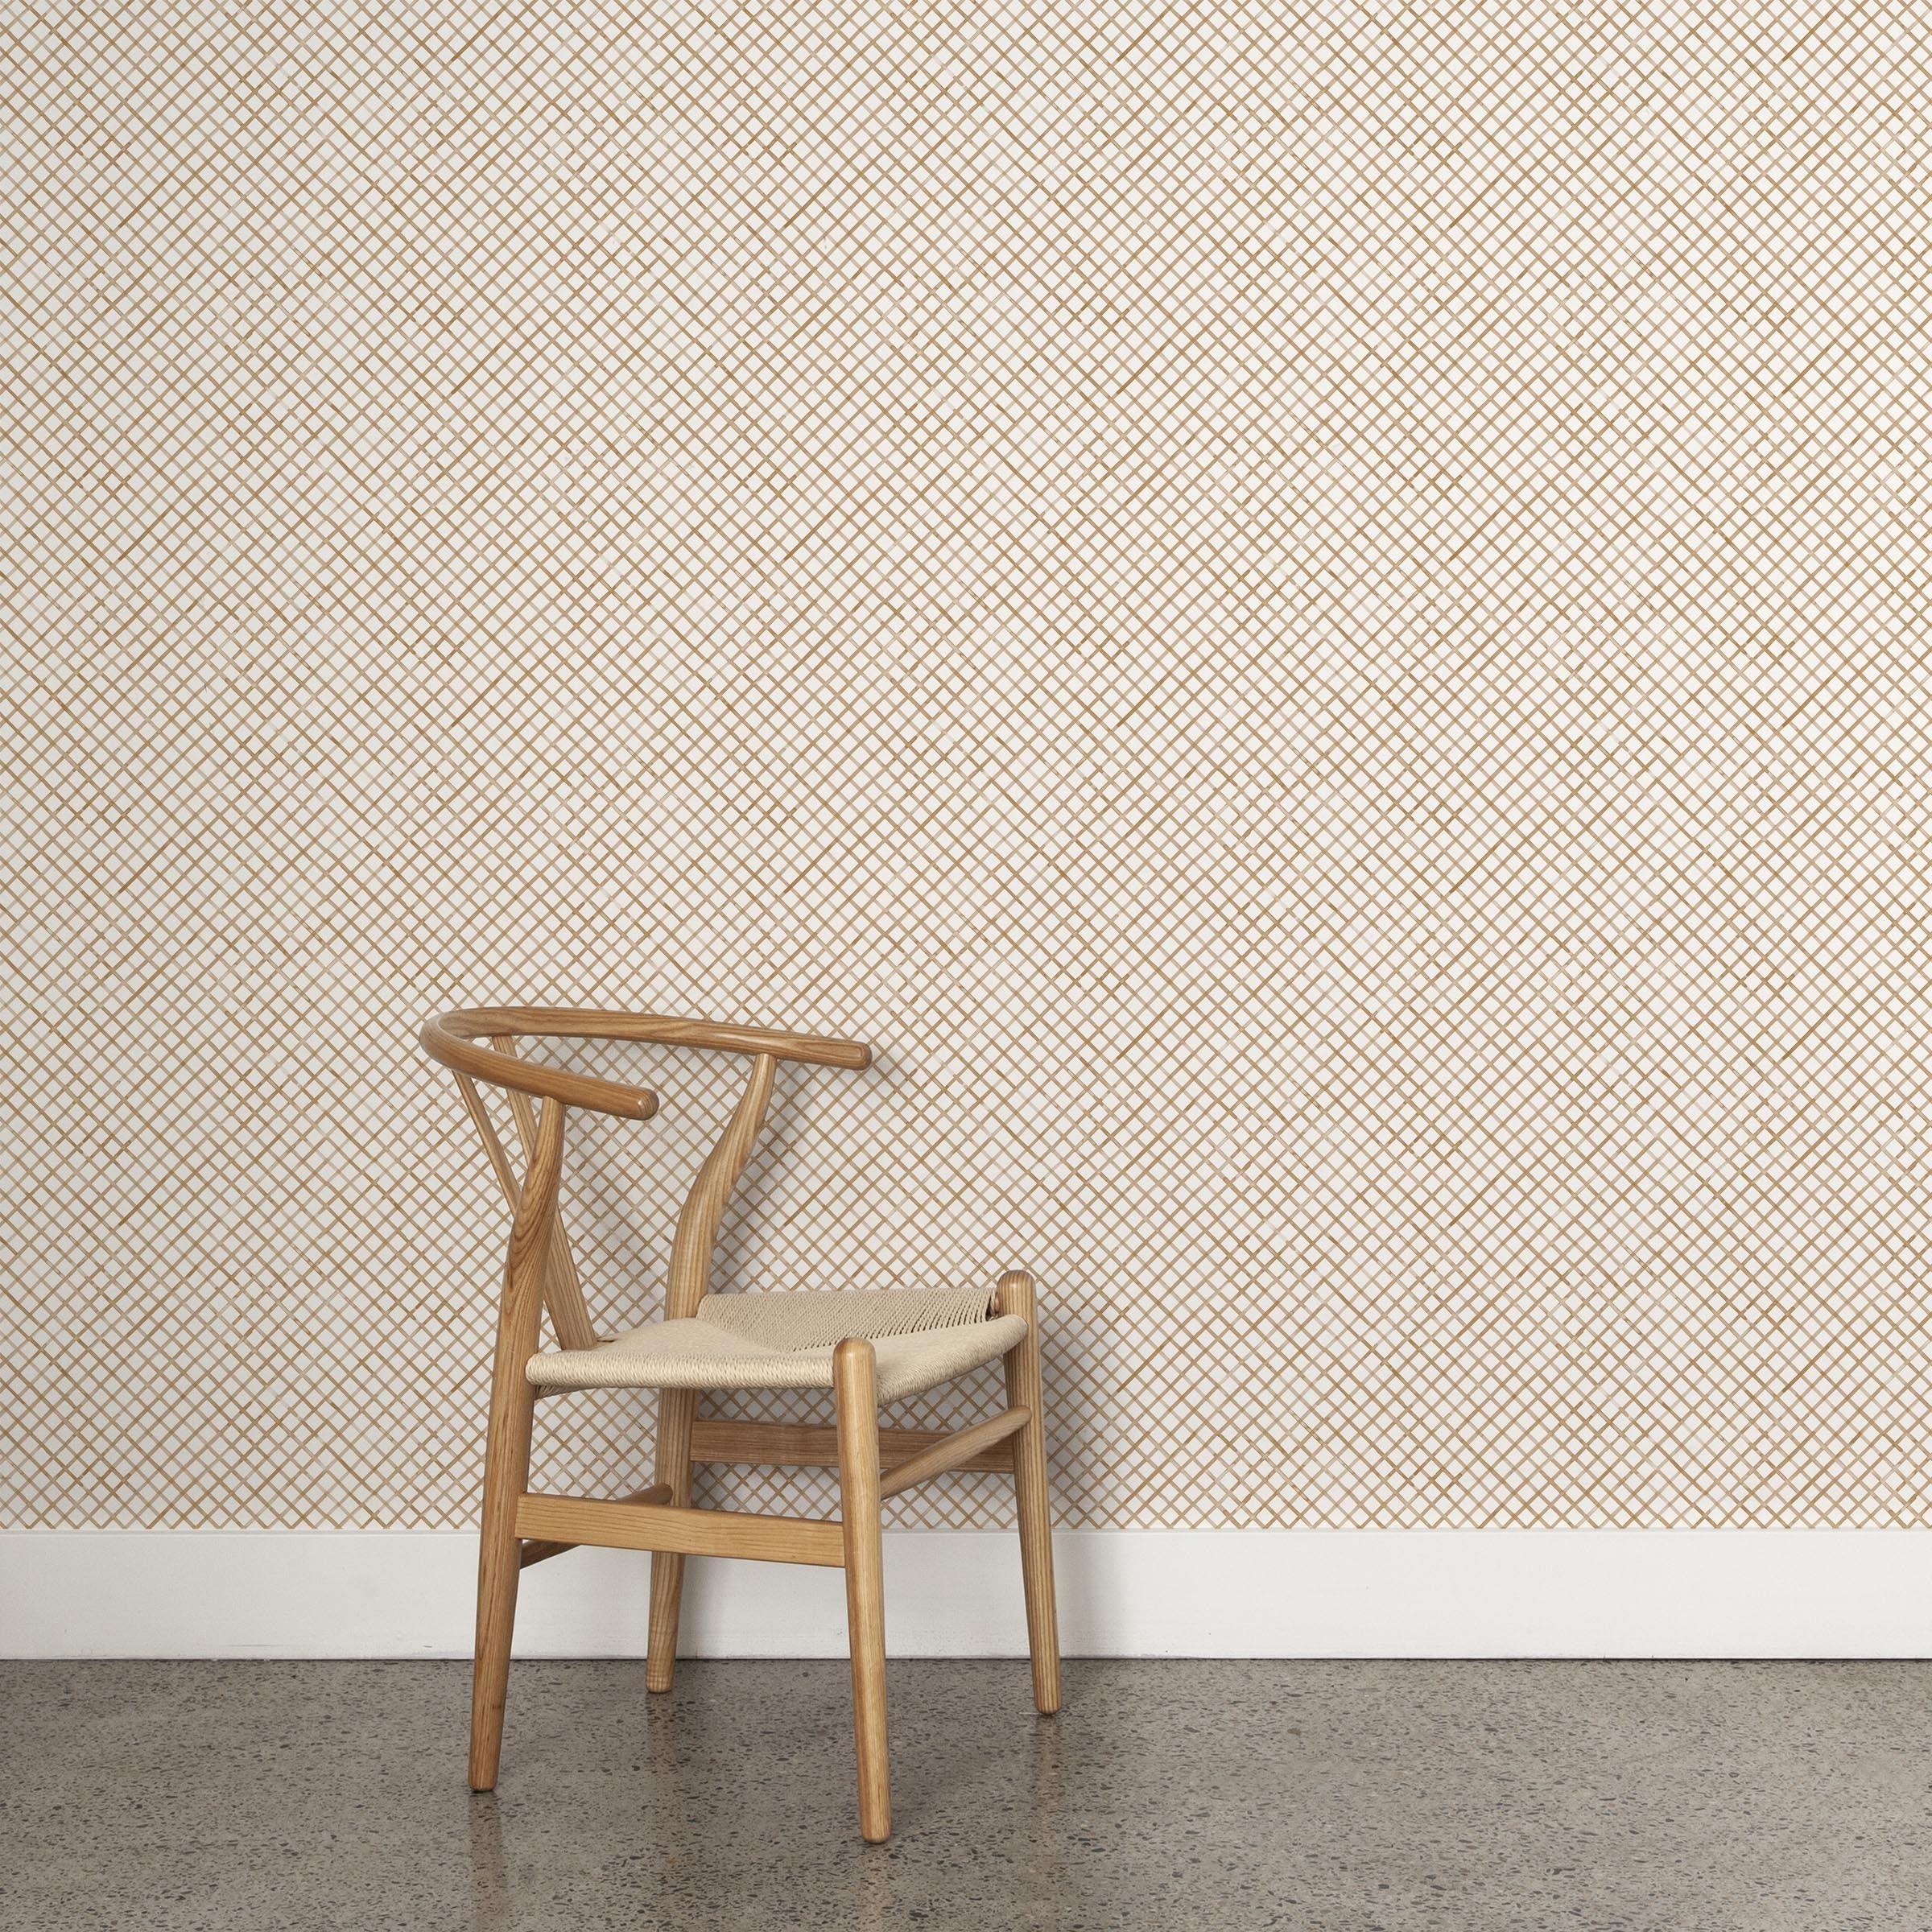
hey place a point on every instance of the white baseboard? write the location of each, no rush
(955, 1593)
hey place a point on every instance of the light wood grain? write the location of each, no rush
(1016, 1296)
(541, 1552)
(657, 1526)
(811, 1446)
(855, 1388)
(953, 1451)
(562, 1285)
(457, 1040)
(676, 1410)
(493, 1148)
(693, 1249)
(507, 1458)
(696, 1242)
(453, 1038)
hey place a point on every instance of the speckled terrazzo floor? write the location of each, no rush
(1365, 1797)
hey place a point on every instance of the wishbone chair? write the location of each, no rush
(864, 1347)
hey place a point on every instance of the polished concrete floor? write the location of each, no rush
(1351, 1797)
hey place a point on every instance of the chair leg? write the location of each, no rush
(855, 1385)
(505, 1476)
(1016, 1297)
(677, 1411)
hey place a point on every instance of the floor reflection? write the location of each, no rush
(490, 1906)
(1195, 1796)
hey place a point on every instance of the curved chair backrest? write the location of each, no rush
(480, 1044)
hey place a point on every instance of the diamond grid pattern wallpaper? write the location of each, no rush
(1313, 619)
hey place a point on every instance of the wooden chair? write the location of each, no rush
(863, 1346)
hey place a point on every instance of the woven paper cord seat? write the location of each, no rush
(922, 1336)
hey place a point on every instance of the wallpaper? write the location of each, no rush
(1313, 619)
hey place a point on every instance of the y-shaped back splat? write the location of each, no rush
(563, 1286)
(703, 1214)
(454, 1038)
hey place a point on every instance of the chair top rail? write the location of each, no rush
(459, 1040)
(446, 1037)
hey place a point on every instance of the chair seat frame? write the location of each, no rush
(521, 1527)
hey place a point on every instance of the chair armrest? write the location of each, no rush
(459, 1040)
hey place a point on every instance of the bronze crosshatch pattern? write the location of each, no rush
(1312, 619)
